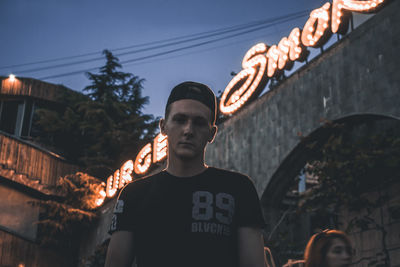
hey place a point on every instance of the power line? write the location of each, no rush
(197, 51)
(116, 49)
(172, 41)
(135, 51)
(278, 19)
(202, 43)
(286, 18)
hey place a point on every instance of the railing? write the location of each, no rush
(29, 164)
(15, 251)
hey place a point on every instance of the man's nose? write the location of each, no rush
(188, 129)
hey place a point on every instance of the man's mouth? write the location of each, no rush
(186, 143)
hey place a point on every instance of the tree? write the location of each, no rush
(354, 171)
(102, 129)
(63, 220)
(98, 258)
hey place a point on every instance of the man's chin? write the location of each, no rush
(186, 154)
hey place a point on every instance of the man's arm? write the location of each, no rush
(120, 252)
(251, 247)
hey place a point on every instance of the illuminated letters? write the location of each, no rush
(254, 66)
(159, 147)
(259, 64)
(110, 190)
(143, 159)
(142, 163)
(119, 178)
(283, 58)
(316, 30)
(341, 14)
(262, 62)
(126, 173)
(297, 51)
(272, 57)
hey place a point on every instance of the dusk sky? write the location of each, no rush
(41, 30)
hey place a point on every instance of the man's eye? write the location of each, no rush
(180, 120)
(337, 250)
(200, 122)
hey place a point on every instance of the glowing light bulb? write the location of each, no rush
(254, 65)
(11, 77)
(312, 36)
(339, 7)
(143, 160)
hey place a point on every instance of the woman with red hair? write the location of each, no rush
(330, 248)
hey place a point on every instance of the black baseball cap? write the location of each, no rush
(196, 91)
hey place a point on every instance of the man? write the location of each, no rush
(189, 214)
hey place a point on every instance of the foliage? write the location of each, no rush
(80, 190)
(56, 127)
(349, 166)
(62, 221)
(282, 244)
(98, 258)
(102, 129)
(354, 170)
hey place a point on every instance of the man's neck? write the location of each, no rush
(185, 168)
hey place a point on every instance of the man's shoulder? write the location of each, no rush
(230, 174)
(140, 184)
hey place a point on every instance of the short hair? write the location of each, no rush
(195, 91)
(319, 244)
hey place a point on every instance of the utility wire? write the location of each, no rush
(173, 41)
(177, 49)
(127, 47)
(278, 19)
(202, 43)
(197, 51)
(131, 52)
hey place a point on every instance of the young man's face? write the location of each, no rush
(188, 127)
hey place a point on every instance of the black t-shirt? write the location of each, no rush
(187, 221)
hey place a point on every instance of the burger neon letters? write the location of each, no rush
(262, 62)
(259, 64)
(150, 153)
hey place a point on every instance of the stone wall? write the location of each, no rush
(357, 75)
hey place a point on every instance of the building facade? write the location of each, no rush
(28, 173)
(354, 81)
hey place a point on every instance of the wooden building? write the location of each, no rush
(28, 172)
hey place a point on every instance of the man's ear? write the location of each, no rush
(214, 130)
(162, 126)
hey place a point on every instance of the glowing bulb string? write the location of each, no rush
(330, 18)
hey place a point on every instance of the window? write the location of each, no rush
(16, 117)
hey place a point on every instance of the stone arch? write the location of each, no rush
(282, 181)
(356, 78)
(297, 158)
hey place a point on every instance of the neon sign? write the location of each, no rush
(262, 62)
(259, 64)
(149, 154)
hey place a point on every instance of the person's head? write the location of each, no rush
(330, 248)
(189, 120)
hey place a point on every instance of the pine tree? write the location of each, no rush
(105, 128)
